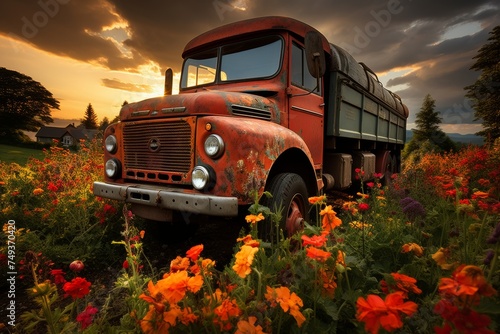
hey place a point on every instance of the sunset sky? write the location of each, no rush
(104, 52)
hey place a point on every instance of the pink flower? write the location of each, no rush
(85, 318)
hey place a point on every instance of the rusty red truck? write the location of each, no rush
(266, 104)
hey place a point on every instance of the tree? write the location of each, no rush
(428, 136)
(485, 92)
(24, 104)
(89, 121)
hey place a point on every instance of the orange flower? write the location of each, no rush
(376, 312)
(153, 323)
(403, 283)
(248, 327)
(247, 240)
(330, 219)
(178, 264)
(467, 280)
(227, 310)
(38, 191)
(317, 254)
(244, 259)
(253, 219)
(480, 194)
(142, 233)
(440, 257)
(174, 286)
(206, 264)
(328, 283)
(317, 199)
(194, 252)
(412, 247)
(289, 302)
(315, 240)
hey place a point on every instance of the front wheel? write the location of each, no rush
(289, 194)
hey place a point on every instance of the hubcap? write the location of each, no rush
(295, 219)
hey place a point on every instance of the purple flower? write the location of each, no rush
(495, 235)
(489, 257)
(412, 208)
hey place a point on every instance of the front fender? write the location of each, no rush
(251, 148)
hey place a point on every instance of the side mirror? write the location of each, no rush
(315, 56)
(169, 77)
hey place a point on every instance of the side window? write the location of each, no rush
(300, 74)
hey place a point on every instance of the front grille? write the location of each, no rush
(164, 147)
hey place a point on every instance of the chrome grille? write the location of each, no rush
(174, 146)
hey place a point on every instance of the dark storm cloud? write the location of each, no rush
(385, 34)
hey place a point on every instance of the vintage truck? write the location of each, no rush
(265, 104)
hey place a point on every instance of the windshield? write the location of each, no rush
(257, 58)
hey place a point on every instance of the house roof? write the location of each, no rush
(57, 133)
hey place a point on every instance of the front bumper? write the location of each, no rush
(168, 198)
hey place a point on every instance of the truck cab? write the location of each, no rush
(266, 104)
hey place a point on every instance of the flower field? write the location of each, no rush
(416, 252)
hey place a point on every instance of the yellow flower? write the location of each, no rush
(412, 247)
(440, 257)
(244, 259)
(252, 219)
(289, 302)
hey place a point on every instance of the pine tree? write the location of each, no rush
(428, 136)
(485, 92)
(90, 119)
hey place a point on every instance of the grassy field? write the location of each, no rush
(20, 155)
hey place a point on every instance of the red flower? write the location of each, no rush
(317, 254)
(363, 206)
(58, 276)
(194, 252)
(376, 312)
(85, 318)
(315, 240)
(77, 288)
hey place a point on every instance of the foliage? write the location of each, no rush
(485, 92)
(51, 199)
(418, 255)
(89, 120)
(428, 137)
(24, 104)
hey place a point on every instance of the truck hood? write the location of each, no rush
(207, 102)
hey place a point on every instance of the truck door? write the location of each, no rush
(306, 103)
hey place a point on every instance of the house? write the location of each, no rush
(67, 136)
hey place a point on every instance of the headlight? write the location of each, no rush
(110, 144)
(203, 177)
(214, 146)
(112, 168)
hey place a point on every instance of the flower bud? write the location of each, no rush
(76, 266)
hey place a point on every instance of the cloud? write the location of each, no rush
(131, 87)
(385, 34)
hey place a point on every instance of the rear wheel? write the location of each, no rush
(289, 194)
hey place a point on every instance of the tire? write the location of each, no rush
(289, 192)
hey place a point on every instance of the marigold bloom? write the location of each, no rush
(244, 259)
(376, 312)
(288, 301)
(78, 287)
(402, 283)
(317, 254)
(206, 264)
(327, 281)
(227, 310)
(194, 252)
(465, 320)
(247, 240)
(467, 280)
(440, 257)
(315, 240)
(179, 263)
(317, 199)
(330, 219)
(253, 219)
(248, 327)
(38, 191)
(480, 194)
(174, 286)
(85, 318)
(412, 247)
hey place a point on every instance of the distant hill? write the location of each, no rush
(456, 137)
